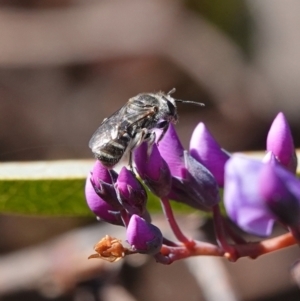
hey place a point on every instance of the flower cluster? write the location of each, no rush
(257, 193)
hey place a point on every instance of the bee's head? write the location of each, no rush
(167, 107)
(164, 103)
(171, 104)
(172, 109)
(174, 100)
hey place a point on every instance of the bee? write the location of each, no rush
(133, 124)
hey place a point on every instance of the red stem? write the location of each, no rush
(232, 233)
(167, 209)
(169, 254)
(230, 252)
(296, 233)
(256, 249)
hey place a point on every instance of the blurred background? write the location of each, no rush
(66, 65)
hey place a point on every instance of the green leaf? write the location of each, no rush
(53, 188)
(57, 188)
(43, 197)
(44, 188)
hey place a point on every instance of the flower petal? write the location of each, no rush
(242, 199)
(281, 192)
(171, 150)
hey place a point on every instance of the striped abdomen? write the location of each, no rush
(112, 152)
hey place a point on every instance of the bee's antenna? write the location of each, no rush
(185, 101)
(190, 101)
(171, 91)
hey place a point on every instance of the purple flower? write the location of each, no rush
(205, 149)
(192, 183)
(280, 143)
(99, 207)
(131, 192)
(100, 174)
(243, 202)
(253, 202)
(172, 151)
(102, 182)
(143, 236)
(153, 169)
(280, 189)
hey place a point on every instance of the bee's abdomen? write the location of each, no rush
(111, 153)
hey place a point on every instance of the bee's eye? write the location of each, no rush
(171, 108)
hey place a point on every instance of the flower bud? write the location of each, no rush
(172, 152)
(131, 193)
(99, 207)
(205, 149)
(197, 188)
(192, 183)
(143, 237)
(102, 182)
(280, 142)
(153, 169)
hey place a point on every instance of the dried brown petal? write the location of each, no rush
(109, 248)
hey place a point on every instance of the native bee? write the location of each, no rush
(133, 124)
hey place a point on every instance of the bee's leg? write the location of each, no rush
(151, 140)
(137, 140)
(164, 125)
(130, 161)
(143, 135)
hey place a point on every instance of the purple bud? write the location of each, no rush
(153, 169)
(99, 172)
(280, 190)
(143, 236)
(192, 183)
(199, 188)
(280, 142)
(100, 207)
(131, 192)
(205, 149)
(102, 181)
(172, 151)
(243, 202)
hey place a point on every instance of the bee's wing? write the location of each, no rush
(107, 129)
(119, 123)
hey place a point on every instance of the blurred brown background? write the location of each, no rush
(65, 65)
